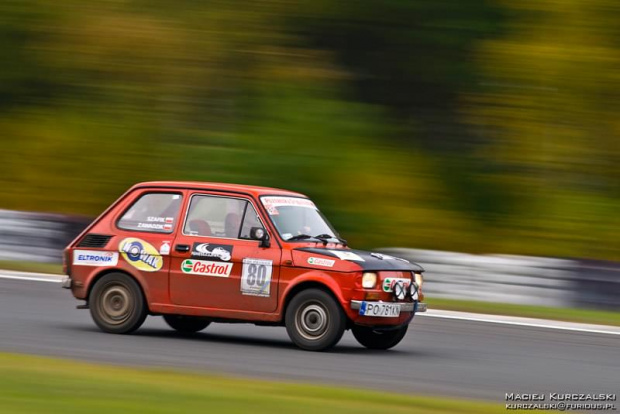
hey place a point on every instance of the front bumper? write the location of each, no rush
(404, 306)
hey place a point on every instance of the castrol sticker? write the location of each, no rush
(206, 268)
(389, 282)
(317, 261)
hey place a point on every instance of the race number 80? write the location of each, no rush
(256, 277)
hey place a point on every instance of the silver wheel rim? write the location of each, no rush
(116, 304)
(312, 321)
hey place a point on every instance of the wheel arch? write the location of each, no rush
(324, 283)
(93, 281)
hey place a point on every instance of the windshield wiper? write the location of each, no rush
(325, 237)
(322, 237)
(300, 237)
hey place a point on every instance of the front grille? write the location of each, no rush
(94, 240)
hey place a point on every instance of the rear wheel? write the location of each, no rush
(186, 324)
(314, 320)
(378, 339)
(117, 304)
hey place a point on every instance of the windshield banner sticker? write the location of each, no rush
(316, 261)
(204, 268)
(346, 255)
(256, 277)
(214, 251)
(271, 203)
(140, 254)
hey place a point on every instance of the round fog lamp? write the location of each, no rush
(414, 291)
(369, 280)
(399, 290)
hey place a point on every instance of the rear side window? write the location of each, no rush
(153, 212)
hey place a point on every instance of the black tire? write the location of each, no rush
(186, 324)
(314, 320)
(378, 339)
(117, 304)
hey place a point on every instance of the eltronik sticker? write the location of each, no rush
(94, 258)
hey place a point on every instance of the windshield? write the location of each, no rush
(294, 216)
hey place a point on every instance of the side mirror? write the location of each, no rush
(259, 233)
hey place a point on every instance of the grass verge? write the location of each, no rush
(527, 311)
(43, 385)
(34, 267)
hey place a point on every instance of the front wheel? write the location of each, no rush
(117, 304)
(186, 324)
(378, 339)
(314, 320)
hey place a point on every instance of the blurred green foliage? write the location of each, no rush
(481, 126)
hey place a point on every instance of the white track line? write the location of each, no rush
(431, 313)
(36, 277)
(517, 321)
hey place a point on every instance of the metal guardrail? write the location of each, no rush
(518, 279)
(37, 237)
(528, 280)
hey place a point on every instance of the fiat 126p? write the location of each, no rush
(198, 253)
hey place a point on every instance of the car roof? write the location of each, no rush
(201, 185)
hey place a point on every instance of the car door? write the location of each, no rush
(214, 261)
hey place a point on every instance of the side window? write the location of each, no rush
(214, 216)
(153, 212)
(250, 220)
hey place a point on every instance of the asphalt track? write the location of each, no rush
(439, 356)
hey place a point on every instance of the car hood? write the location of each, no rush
(369, 261)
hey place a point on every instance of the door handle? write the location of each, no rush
(181, 248)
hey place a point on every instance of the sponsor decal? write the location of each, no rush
(94, 258)
(382, 256)
(346, 255)
(272, 203)
(157, 223)
(215, 251)
(256, 277)
(317, 261)
(150, 226)
(164, 249)
(205, 268)
(389, 282)
(140, 254)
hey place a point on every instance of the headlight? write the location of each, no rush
(418, 279)
(369, 280)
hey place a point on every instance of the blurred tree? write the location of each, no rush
(550, 112)
(415, 59)
(471, 126)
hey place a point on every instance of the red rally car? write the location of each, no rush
(198, 253)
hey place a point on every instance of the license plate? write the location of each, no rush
(379, 309)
